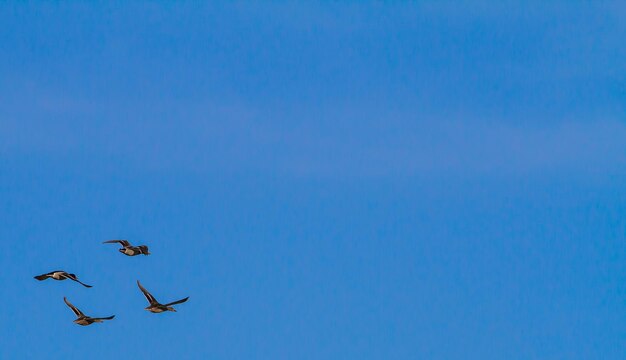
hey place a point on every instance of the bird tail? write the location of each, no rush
(41, 277)
(144, 249)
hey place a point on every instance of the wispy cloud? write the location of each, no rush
(235, 138)
(467, 148)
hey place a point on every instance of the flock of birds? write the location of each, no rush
(129, 250)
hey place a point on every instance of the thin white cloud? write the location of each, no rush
(467, 148)
(222, 138)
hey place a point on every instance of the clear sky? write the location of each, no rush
(329, 180)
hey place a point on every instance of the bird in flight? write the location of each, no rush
(60, 275)
(155, 306)
(83, 319)
(128, 249)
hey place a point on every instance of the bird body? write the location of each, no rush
(60, 276)
(128, 249)
(155, 306)
(83, 319)
(159, 309)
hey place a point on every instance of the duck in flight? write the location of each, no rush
(60, 275)
(83, 319)
(128, 249)
(155, 306)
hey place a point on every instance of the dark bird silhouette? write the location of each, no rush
(60, 275)
(155, 306)
(83, 319)
(128, 249)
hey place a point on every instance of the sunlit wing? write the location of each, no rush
(74, 308)
(145, 292)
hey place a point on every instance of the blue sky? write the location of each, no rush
(366, 180)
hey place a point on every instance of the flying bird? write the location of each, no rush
(83, 319)
(60, 275)
(155, 306)
(128, 249)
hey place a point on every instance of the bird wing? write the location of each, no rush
(121, 242)
(74, 278)
(148, 296)
(105, 318)
(177, 301)
(45, 276)
(74, 308)
(144, 249)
